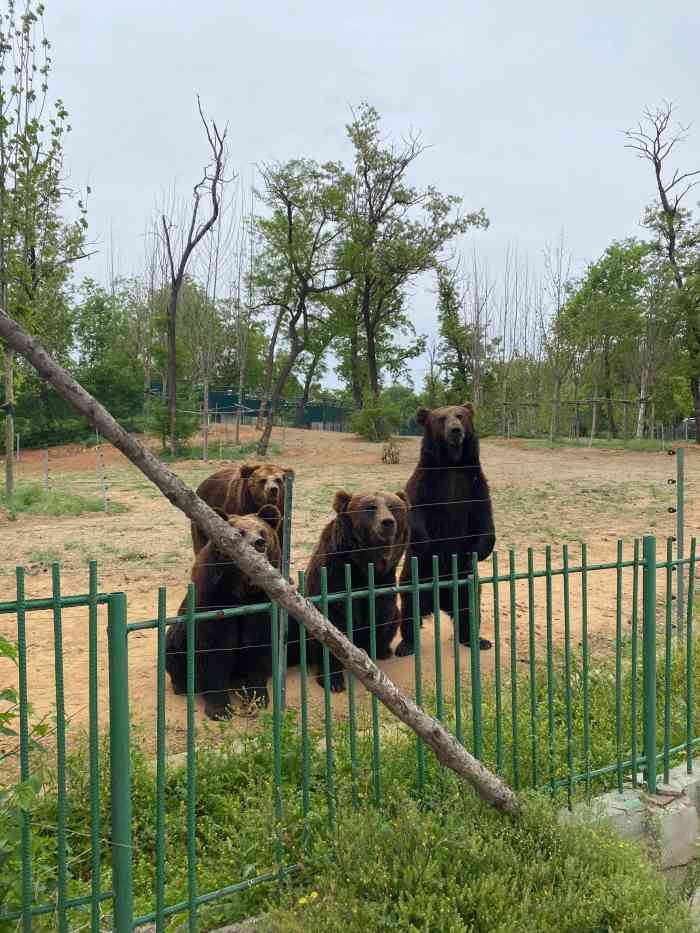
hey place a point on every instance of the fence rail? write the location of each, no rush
(589, 705)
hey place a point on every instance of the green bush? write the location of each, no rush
(187, 423)
(376, 423)
(461, 866)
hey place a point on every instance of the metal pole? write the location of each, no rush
(120, 757)
(680, 536)
(649, 657)
(286, 552)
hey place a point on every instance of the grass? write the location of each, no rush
(226, 452)
(437, 856)
(602, 443)
(33, 499)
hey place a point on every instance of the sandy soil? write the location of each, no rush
(541, 496)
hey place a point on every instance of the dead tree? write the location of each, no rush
(653, 140)
(232, 545)
(210, 184)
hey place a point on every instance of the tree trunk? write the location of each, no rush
(269, 373)
(205, 425)
(304, 400)
(9, 366)
(172, 364)
(612, 428)
(641, 410)
(355, 379)
(231, 544)
(275, 398)
(241, 385)
(372, 370)
(695, 391)
(594, 420)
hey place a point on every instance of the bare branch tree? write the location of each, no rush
(654, 139)
(180, 244)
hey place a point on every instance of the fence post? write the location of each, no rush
(120, 764)
(680, 543)
(283, 642)
(649, 658)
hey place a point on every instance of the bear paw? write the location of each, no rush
(404, 649)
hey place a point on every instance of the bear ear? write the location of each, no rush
(469, 407)
(247, 469)
(402, 495)
(341, 501)
(422, 416)
(271, 515)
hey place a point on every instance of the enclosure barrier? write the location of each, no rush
(569, 722)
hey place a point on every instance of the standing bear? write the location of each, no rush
(369, 528)
(230, 653)
(450, 513)
(242, 489)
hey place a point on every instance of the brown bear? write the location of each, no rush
(450, 513)
(241, 489)
(369, 527)
(231, 653)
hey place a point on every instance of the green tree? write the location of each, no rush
(301, 263)
(107, 365)
(37, 245)
(398, 232)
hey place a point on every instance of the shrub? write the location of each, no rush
(465, 867)
(188, 420)
(376, 423)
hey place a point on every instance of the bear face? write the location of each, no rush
(450, 429)
(374, 525)
(260, 531)
(265, 482)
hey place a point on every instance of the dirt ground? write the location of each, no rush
(541, 496)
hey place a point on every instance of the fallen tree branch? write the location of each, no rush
(230, 543)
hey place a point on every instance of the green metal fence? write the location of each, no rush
(586, 687)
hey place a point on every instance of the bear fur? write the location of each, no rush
(369, 527)
(242, 489)
(451, 513)
(233, 653)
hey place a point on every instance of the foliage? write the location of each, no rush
(376, 422)
(460, 866)
(18, 795)
(188, 421)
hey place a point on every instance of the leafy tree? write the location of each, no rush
(107, 367)
(398, 232)
(37, 245)
(302, 262)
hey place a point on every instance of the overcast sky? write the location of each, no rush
(523, 103)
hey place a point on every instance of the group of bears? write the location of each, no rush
(444, 510)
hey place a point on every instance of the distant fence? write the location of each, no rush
(563, 706)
